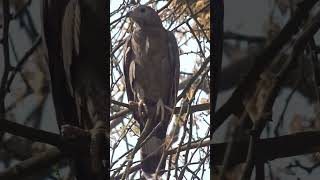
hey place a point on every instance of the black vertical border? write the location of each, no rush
(216, 49)
(107, 47)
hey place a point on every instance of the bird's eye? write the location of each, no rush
(142, 10)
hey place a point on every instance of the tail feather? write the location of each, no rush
(151, 153)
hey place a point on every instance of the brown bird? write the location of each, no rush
(151, 71)
(74, 32)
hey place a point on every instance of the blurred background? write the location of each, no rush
(249, 26)
(28, 99)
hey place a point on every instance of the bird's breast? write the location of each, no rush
(148, 45)
(151, 64)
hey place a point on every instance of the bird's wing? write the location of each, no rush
(52, 14)
(128, 59)
(175, 67)
(129, 76)
(70, 38)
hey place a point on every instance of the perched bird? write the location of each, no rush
(74, 33)
(151, 71)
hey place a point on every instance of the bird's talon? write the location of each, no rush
(142, 108)
(132, 105)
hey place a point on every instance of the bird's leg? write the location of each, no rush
(98, 142)
(160, 109)
(142, 108)
(132, 105)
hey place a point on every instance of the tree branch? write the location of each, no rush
(79, 144)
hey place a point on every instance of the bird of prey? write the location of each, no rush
(74, 33)
(151, 71)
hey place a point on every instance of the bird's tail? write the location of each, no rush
(151, 153)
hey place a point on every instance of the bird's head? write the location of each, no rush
(144, 16)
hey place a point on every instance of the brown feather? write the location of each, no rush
(151, 71)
